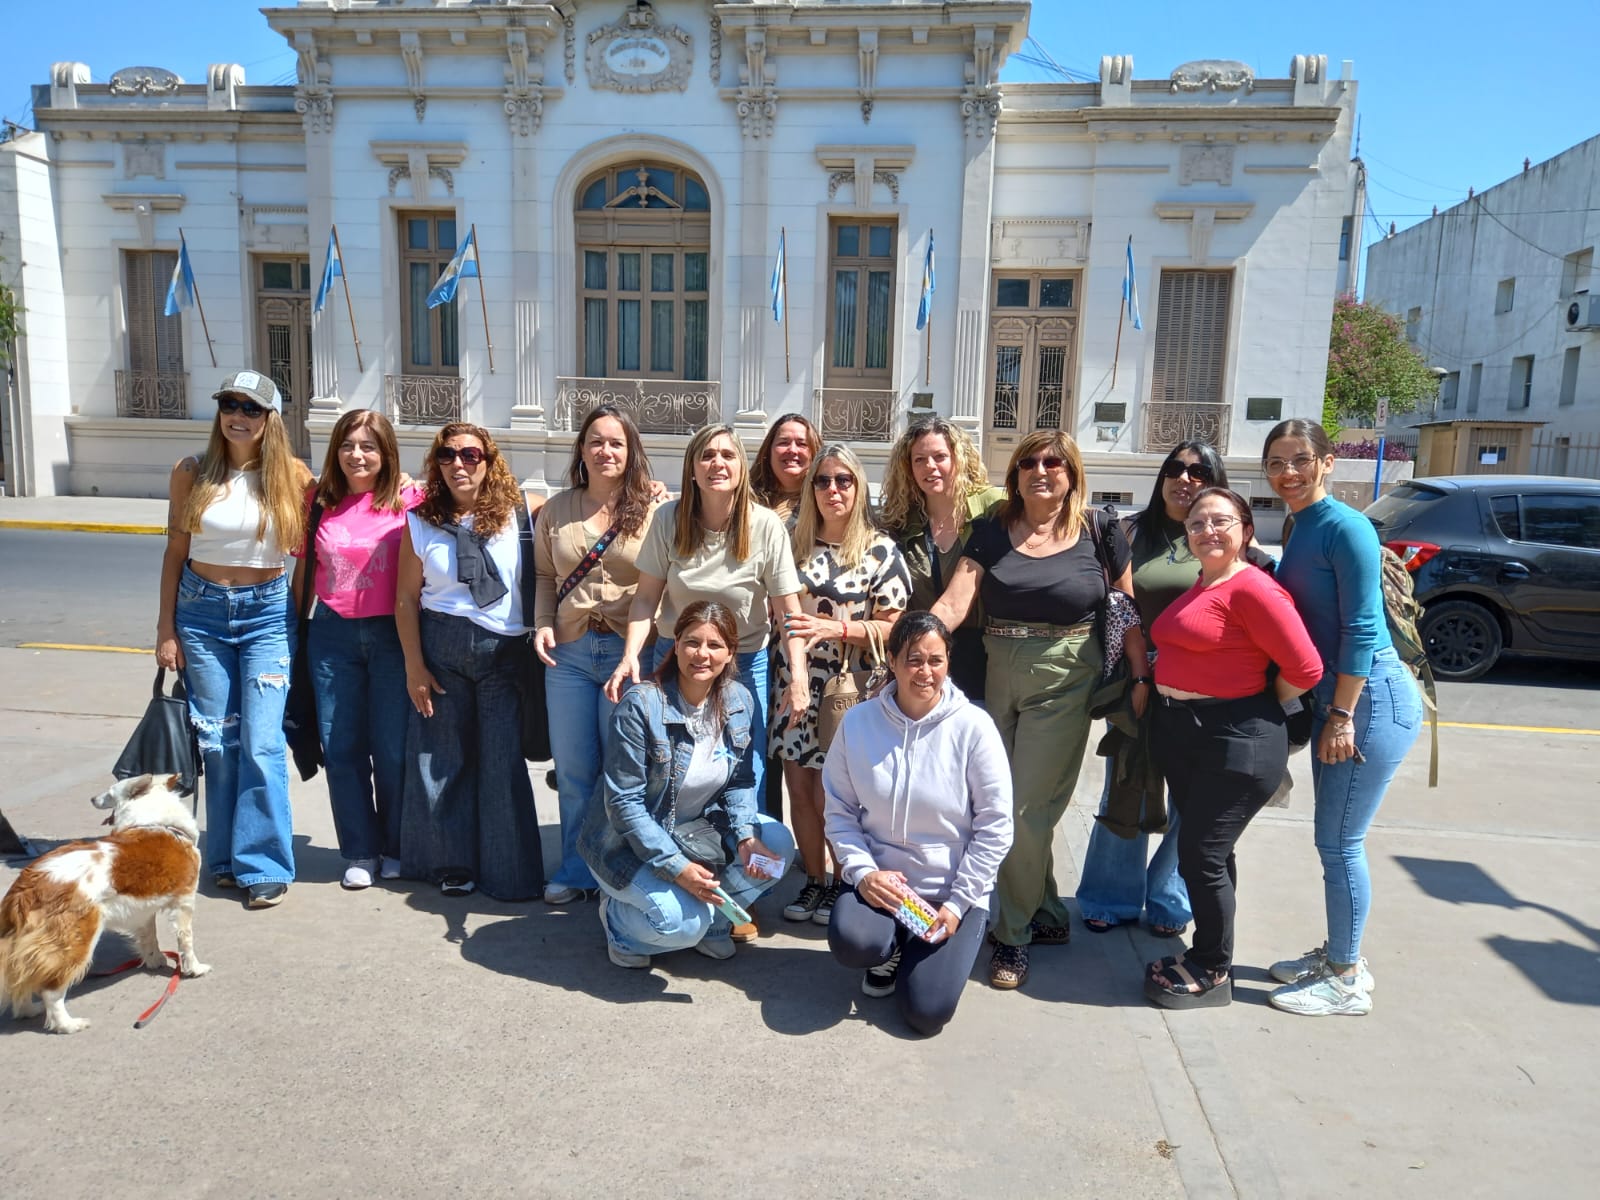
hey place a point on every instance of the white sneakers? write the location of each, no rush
(1310, 964)
(359, 873)
(614, 952)
(388, 868)
(718, 947)
(1324, 995)
(560, 893)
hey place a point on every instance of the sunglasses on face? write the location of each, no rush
(469, 455)
(1198, 472)
(1050, 462)
(232, 405)
(843, 482)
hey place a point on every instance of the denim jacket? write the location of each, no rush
(626, 825)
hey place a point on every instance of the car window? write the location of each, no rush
(1507, 517)
(1558, 520)
(1402, 504)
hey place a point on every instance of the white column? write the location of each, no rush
(527, 410)
(755, 303)
(972, 282)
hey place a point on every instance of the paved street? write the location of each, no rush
(394, 1042)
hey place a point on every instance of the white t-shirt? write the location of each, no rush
(442, 592)
(709, 769)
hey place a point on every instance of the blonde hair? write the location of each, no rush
(1075, 508)
(860, 526)
(688, 533)
(282, 495)
(902, 498)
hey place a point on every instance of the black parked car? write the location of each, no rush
(1500, 562)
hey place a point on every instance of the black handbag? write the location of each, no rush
(301, 729)
(1116, 615)
(535, 710)
(701, 842)
(164, 741)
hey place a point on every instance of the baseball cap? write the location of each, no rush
(252, 385)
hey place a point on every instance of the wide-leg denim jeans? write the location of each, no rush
(359, 673)
(238, 644)
(1388, 718)
(580, 716)
(653, 915)
(468, 804)
(1121, 880)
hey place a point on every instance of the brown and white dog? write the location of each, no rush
(54, 914)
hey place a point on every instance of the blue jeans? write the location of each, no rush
(1388, 718)
(1120, 880)
(653, 916)
(468, 804)
(753, 673)
(359, 673)
(580, 716)
(238, 644)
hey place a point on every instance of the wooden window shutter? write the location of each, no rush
(155, 341)
(1191, 337)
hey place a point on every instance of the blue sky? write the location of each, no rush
(1452, 95)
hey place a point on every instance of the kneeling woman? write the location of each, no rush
(918, 797)
(677, 793)
(1219, 731)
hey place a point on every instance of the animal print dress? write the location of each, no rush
(879, 588)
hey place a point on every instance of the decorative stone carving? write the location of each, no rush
(638, 54)
(144, 81)
(65, 79)
(524, 96)
(980, 71)
(757, 109)
(716, 48)
(980, 106)
(1050, 242)
(867, 70)
(1213, 74)
(1116, 69)
(837, 179)
(223, 81)
(144, 158)
(891, 181)
(1205, 164)
(411, 53)
(313, 95)
(569, 48)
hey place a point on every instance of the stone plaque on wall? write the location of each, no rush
(637, 53)
(1205, 164)
(1039, 242)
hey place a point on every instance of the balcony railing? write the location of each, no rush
(656, 405)
(423, 399)
(152, 394)
(1165, 425)
(856, 414)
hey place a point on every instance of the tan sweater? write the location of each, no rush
(561, 540)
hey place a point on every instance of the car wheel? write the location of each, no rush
(1462, 638)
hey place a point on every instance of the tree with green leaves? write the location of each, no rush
(10, 324)
(1369, 357)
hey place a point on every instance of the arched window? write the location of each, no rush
(644, 241)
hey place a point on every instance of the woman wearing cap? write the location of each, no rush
(227, 622)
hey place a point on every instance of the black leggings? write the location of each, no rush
(1222, 760)
(931, 974)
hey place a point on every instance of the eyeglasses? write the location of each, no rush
(1198, 472)
(1301, 464)
(1220, 524)
(843, 482)
(232, 405)
(1049, 462)
(470, 455)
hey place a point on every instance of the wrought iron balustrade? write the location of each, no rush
(423, 399)
(856, 414)
(152, 394)
(1165, 425)
(656, 405)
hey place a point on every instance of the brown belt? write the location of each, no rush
(1032, 630)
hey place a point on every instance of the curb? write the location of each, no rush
(82, 526)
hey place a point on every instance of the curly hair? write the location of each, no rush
(283, 505)
(763, 479)
(497, 498)
(634, 507)
(902, 498)
(1075, 508)
(334, 487)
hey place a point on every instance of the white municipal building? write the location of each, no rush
(628, 169)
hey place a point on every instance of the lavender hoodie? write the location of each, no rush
(930, 798)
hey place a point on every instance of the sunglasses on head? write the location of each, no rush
(843, 482)
(1198, 472)
(1050, 462)
(232, 404)
(470, 455)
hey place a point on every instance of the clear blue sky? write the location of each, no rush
(1452, 95)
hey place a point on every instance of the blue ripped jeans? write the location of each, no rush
(237, 645)
(1388, 718)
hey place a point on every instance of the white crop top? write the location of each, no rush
(227, 536)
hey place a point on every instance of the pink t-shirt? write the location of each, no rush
(358, 555)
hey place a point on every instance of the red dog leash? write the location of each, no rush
(149, 1014)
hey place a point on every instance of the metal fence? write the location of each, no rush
(1498, 451)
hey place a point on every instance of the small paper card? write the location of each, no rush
(762, 864)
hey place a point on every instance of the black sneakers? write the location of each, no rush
(880, 981)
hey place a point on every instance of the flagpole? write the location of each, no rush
(927, 363)
(477, 254)
(194, 285)
(783, 281)
(350, 308)
(1122, 311)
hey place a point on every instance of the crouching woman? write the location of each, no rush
(918, 798)
(676, 797)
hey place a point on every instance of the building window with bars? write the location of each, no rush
(154, 383)
(1187, 383)
(861, 273)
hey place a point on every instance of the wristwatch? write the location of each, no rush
(1340, 716)
(1143, 679)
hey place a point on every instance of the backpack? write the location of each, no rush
(1402, 612)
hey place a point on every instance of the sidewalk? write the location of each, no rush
(84, 514)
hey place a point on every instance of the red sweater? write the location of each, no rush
(1217, 641)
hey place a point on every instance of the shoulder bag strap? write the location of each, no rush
(933, 557)
(590, 560)
(309, 580)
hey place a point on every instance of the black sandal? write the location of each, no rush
(1095, 925)
(1177, 984)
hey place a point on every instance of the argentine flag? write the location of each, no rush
(180, 292)
(464, 264)
(1130, 289)
(925, 305)
(779, 268)
(331, 269)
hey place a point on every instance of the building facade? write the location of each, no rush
(628, 171)
(1500, 294)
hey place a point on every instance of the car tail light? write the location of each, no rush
(1413, 554)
